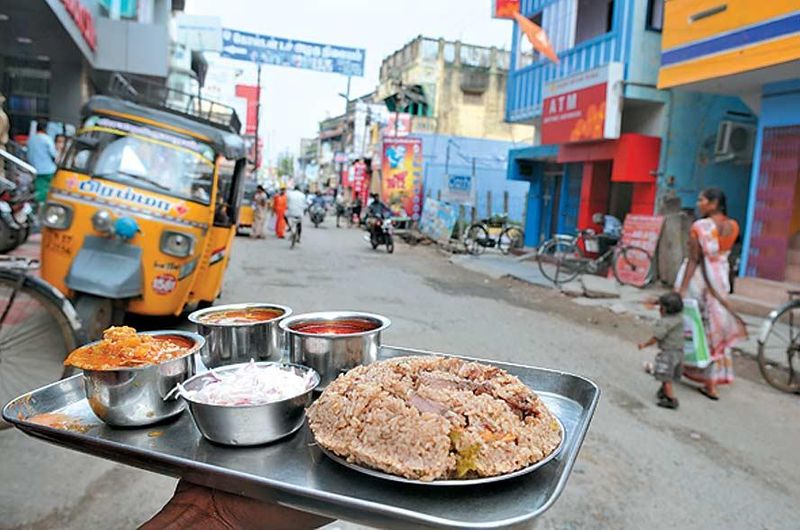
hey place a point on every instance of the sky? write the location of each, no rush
(293, 100)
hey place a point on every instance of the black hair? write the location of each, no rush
(718, 196)
(671, 302)
(41, 126)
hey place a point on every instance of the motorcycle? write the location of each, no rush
(317, 214)
(16, 216)
(381, 232)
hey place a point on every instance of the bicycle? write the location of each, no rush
(296, 227)
(779, 346)
(38, 328)
(493, 232)
(562, 258)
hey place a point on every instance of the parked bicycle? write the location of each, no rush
(563, 258)
(495, 232)
(38, 328)
(779, 346)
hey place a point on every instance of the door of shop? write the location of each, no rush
(775, 219)
(551, 196)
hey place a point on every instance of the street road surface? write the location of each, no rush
(731, 464)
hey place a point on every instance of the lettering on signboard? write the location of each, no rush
(83, 20)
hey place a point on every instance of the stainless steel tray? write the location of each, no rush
(294, 472)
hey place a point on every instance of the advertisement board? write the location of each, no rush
(639, 231)
(504, 8)
(438, 219)
(459, 189)
(200, 33)
(265, 49)
(583, 107)
(398, 124)
(401, 175)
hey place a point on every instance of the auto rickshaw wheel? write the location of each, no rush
(96, 314)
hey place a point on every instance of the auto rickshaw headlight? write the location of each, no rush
(177, 244)
(58, 216)
(103, 221)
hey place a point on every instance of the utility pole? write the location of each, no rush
(346, 96)
(258, 117)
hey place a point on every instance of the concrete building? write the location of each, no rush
(450, 88)
(55, 53)
(753, 54)
(607, 139)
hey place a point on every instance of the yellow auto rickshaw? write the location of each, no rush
(142, 212)
(245, 224)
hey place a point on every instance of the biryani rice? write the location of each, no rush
(434, 418)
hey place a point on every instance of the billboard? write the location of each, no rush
(459, 189)
(438, 219)
(583, 107)
(401, 175)
(277, 51)
(504, 8)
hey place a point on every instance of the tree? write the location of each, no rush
(286, 164)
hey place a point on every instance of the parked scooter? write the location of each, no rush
(16, 216)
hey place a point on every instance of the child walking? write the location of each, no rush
(668, 334)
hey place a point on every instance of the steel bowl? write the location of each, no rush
(312, 341)
(249, 424)
(238, 343)
(133, 397)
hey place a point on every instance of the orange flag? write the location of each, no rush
(537, 36)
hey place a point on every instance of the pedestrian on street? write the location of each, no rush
(296, 206)
(259, 212)
(704, 276)
(668, 334)
(42, 156)
(279, 206)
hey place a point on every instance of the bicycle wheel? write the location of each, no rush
(633, 266)
(475, 240)
(779, 348)
(35, 337)
(560, 260)
(510, 238)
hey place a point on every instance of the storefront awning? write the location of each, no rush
(530, 154)
(635, 156)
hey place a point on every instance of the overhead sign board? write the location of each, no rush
(459, 189)
(278, 51)
(583, 107)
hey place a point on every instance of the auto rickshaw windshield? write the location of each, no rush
(145, 158)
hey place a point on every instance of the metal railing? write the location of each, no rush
(152, 94)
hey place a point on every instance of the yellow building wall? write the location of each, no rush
(682, 27)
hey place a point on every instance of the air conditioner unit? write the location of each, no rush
(734, 142)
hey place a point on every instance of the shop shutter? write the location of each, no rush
(772, 214)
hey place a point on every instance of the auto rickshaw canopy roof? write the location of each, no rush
(228, 144)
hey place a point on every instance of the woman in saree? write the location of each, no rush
(704, 277)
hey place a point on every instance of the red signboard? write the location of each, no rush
(505, 8)
(401, 173)
(250, 94)
(83, 20)
(640, 231)
(582, 107)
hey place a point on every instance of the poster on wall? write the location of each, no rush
(438, 219)
(459, 189)
(401, 175)
(640, 231)
(583, 107)
(398, 124)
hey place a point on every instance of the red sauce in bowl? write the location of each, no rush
(336, 327)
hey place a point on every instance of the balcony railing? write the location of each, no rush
(525, 85)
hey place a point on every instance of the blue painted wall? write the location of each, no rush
(688, 156)
(780, 107)
(491, 158)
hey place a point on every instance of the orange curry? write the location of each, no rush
(122, 347)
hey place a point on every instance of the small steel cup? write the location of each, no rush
(312, 343)
(133, 397)
(249, 424)
(238, 343)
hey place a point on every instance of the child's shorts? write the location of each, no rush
(668, 365)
